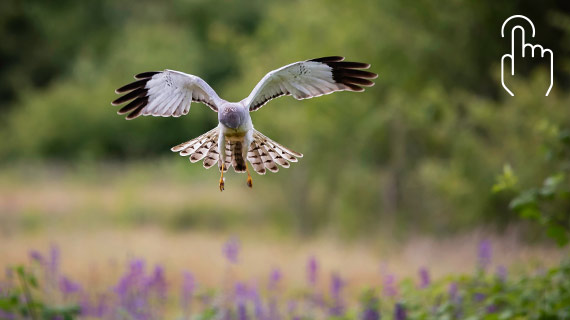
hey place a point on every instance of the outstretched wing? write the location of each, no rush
(166, 93)
(310, 78)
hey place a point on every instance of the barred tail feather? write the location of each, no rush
(238, 162)
(266, 159)
(212, 156)
(254, 158)
(264, 153)
(189, 147)
(203, 147)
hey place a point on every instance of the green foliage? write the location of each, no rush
(549, 203)
(25, 299)
(423, 145)
(543, 295)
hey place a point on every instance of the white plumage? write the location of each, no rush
(170, 93)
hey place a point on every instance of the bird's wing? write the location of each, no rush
(310, 78)
(165, 93)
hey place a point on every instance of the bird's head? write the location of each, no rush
(230, 116)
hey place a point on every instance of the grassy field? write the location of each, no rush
(103, 254)
(101, 216)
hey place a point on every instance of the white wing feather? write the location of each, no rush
(165, 94)
(310, 78)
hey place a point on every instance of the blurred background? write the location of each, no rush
(402, 174)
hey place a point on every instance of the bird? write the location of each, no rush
(234, 141)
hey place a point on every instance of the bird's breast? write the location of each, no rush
(234, 134)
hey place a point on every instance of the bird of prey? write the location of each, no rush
(169, 93)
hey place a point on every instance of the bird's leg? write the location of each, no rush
(249, 181)
(222, 157)
(222, 178)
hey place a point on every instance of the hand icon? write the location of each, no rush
(525, 49)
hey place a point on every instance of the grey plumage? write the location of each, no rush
(234, 141)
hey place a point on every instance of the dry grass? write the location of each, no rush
(82, 211)
(101, 255)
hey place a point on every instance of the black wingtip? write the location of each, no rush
(140, 92)
(350, 74)
(132, 86)
(136, 94)
(146, 75)
(328, 59)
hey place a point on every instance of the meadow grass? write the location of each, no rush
(106, 221)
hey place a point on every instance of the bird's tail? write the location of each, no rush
(263, 153)
(203, 147)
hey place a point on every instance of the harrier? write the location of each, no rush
(169, 93)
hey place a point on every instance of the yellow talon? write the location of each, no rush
(222, 179)
(249, 180)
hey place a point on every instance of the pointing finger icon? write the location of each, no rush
(544, 53)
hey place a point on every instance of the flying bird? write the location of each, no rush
(169, 93)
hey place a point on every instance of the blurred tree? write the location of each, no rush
(418, 150)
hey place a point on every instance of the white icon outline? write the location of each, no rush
(525, 45)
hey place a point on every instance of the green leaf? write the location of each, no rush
(507, 314)
(20, 271)
(565, 136)
(506, 180)
(558, 233)
(525, 199)
(33, 281)
(551, 184)
(7, 304)
(530, 212)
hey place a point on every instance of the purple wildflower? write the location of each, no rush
(54, 261)
(336, 285)
(399, 312)
(241, 296)
(274, 278)
(188, 287)
(337, 308)
(452, 290)
(131, 279)
(389, 288)
(478, 297)
(96, 309)
(157, 283)
(241, 291)
(370, 314)
(135, 291)
(241, 312)
(424, 278)
(37, 257)
(312, 269)
(231, 249)
(257, 303)
(68, 287)
(6, 315)
(502, 273)
(492, 308)
(459, 308)
(292, 309)
(273, 309)
(370, 311)
(484, 254)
